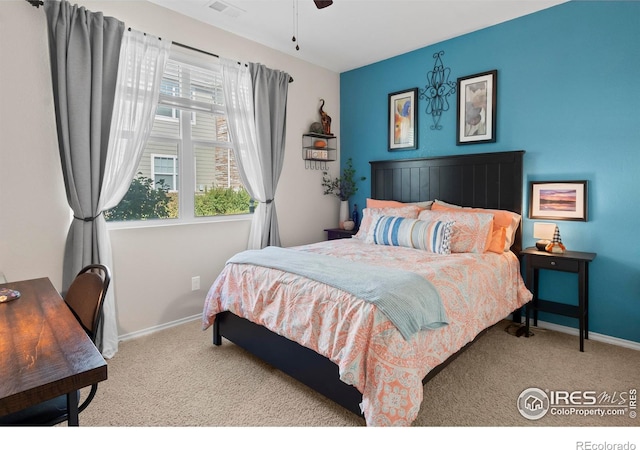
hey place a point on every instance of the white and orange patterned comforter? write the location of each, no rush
(477, 290)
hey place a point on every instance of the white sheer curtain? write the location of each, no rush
(238, 99)
(142, 62)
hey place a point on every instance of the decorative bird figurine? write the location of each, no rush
(325, 119)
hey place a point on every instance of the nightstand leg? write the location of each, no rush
(526, 319)
(531, 282)
(582, 303)
(534, 278)
(586, 301)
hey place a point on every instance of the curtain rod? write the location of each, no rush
(210, 54)
(38, 3)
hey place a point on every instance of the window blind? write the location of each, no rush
(192, 88)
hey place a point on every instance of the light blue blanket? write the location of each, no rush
(408, 300)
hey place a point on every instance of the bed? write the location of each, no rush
(354, 354)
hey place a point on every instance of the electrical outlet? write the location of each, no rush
(195, 283)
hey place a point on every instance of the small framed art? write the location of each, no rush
(476, 121)
(403, 121)
(558, 200)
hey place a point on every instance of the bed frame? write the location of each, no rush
(486, 180)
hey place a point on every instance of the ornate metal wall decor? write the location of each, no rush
(438, 90)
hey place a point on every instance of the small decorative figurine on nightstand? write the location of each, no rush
(556, 246)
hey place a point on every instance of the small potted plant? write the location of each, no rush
(343, 187)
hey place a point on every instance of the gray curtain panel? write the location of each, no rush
(84, 50)
(270, 89)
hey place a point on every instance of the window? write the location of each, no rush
(188, 169)
(165, 172)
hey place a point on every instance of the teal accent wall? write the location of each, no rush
(569, 95)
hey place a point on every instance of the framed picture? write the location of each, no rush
(477, 108)
(558, 200)
(403, 120)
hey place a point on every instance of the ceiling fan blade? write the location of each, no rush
(323, 3)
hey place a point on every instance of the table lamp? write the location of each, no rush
(544, 232)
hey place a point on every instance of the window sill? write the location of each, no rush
(156, 223)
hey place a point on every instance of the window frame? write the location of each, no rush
(186, 161)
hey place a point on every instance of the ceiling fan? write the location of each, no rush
(322, 3)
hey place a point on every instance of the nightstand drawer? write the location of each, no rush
(552, 263)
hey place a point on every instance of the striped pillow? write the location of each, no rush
(434, 237)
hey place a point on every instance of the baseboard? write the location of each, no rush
(164, 326)
(541, 324)
(592, 336)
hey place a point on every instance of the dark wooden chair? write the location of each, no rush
(85, 299)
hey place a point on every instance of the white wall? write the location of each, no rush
(152, 266)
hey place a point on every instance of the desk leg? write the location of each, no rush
(72, 408)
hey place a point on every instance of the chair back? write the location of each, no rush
(86, 295)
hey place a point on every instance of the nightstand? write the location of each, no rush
(339, 233)
(575, 262)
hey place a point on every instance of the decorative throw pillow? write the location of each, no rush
(445, 204)
(373, 203)
(502, 218)
(370, 214)
(471, 230)
(423, 205)
(434, 237)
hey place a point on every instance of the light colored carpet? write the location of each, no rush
(176, 377)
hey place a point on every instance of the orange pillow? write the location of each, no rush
(501, 221)
(498, 238)
(373, 203)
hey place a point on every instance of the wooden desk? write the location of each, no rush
(44, 352)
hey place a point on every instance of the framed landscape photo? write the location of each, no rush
(403, 120)
(476, 121)
(558, 200)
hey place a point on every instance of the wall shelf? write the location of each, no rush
(318, 149)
